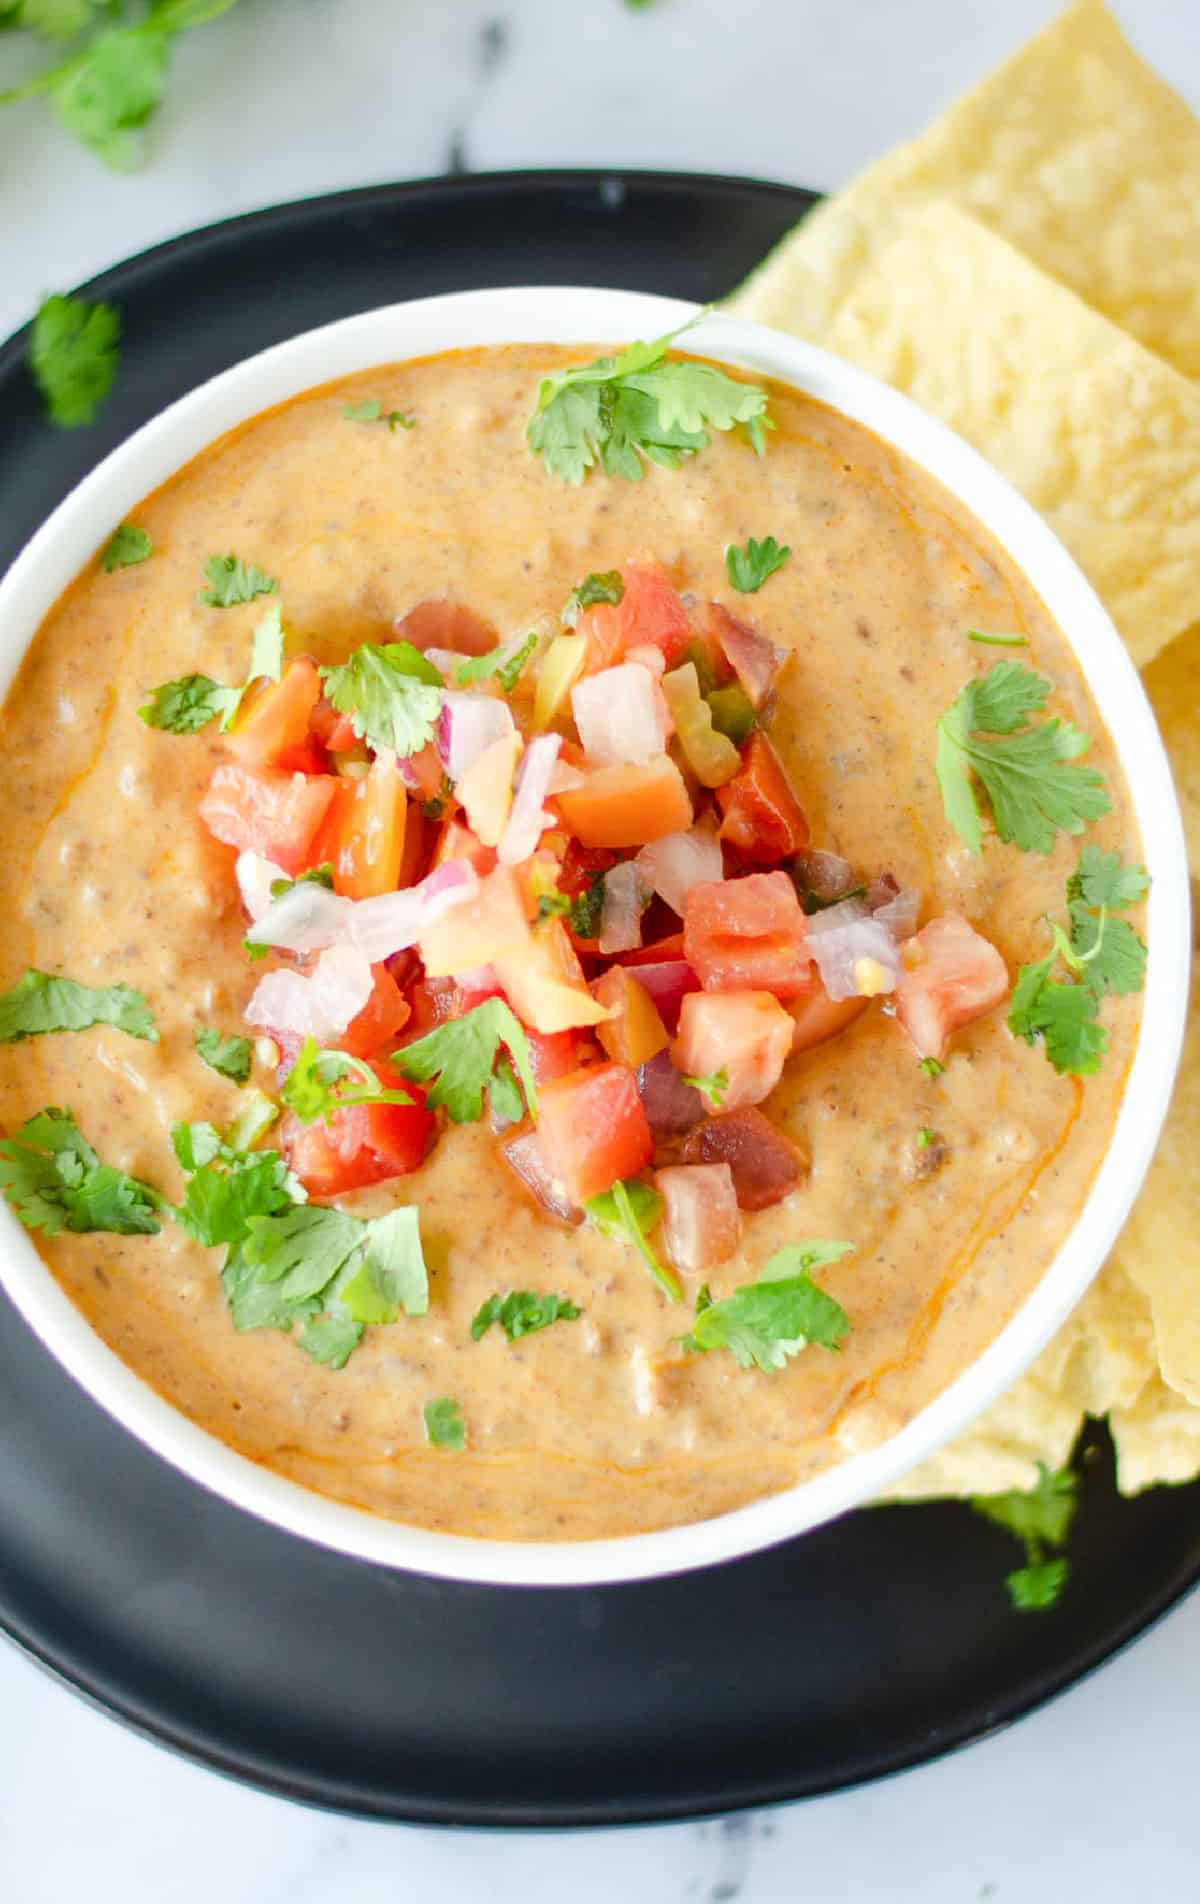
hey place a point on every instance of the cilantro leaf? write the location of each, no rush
(586, 908)
(371, 410)
(1103, 953)
(627, 1211)
(190, 703)
(73, 355)
(749, 567)
(227, 1189)
(1062, 1015)
(444, 1425)
(712, 1087)
(764, 1323)
(312, 1086)
(996, 641)
(391, 1275)
(392, 694)
(552, 905)
(321, 875)
(606, 587)
(1100, 879)
(1111, 956)
(106, 95)
(932, 1067)
(232, 582)
(623, 411)
(230, 1057)
(127, 546)
(300, 1248)
(506, 662)
(521, 1312)
(55, 1181)
(1039, 1518)
(1037, 1586)
(1028, 773)
(331, 1339)
(255, 1115)
(41, 1002)
(462, 1055)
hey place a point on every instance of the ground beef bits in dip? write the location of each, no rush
(598, 1425)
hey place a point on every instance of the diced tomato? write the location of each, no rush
(627, 806)
(274, 729)
(415, 856)
(818, 1017)
(544, 982)
(668, 982)
(952, 974)
(445, 624)
(592, 1129)
(264, 811)
(360, 1144)
(384, 1015)
(635, 1033)
(669, 948)
(554, 1054)
(456, 841)
(362, 836)
(762, 817)
(748, 935)
(334, 731)
(702, 1225)
(765, 1164)
(747, 1035)
(426, 774)
(431, 1001)
(650, 613)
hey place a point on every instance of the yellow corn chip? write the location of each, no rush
(1099, 434)
(1173, 684)
(1074, 150)
(1158, 1439)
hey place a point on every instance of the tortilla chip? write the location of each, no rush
(1159, 1248)
(1173, 683)
(1101, 436)
(1074, 150)
(1158, 1439)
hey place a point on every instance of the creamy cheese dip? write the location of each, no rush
(601, 1426)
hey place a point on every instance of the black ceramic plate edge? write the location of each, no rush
(55, 1638)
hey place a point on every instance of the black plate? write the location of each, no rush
(868, 1646)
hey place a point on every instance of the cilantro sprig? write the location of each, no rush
(628, 1212)
(637, 407)
(126, 547)
(748, 567)
(764, 1323)
(186, 705)
(1040, 1519)
(1102, 954)
(444, 1424)
(522, 1312)
(232, 582)
(712, 1087)
(228, 1057)
(1029, 773)
(465, 1056)
(371, 410)
(606, 587)
(318, 1084)
(391, 693)
(45, 1001)
(73, 354)
(506, 663)
(55, 1181)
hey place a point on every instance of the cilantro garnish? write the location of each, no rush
(621, 410)
(932, 1067)
(1035, 789)
(41, 1002)
(462, 1055)
(321, 875)
(1039, 1518)
(749, 567)
(55, 1181)
(126, 546)
(606, 587)
(763, 1323)
(190, 703)
(586, 908)
(73, 356)
(232, 582)
(1103, 954)
(996, 641)
(256, 1113)
(552, 905)
(926, 1137)
(444, 1425)
(371, 410)
(712, 1087)
(314, 1084)
(521, 1312)
(505, 662)
(227, 1187)
(628, 1211)
(230, 1057)
(392, 694)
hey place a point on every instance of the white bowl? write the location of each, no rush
(570, 316)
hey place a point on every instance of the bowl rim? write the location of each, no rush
(576, 315)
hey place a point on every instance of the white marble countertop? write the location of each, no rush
(1093, 1796)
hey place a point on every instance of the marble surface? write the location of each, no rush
(1093, 1796)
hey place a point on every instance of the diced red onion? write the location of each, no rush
(672, 866)
(621, 715)
(668, 982)
(316, 1005)
(755, 660)
(255, 878)
(702, 1225)
(671, 1106)
(394, 921)
(529, 818)
(307, 918)
(624, 901)
(445, 661)
(648, 655)
(826, 875)
(467, 727)
(856, 955)
(900, 914)
(526, 1157)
